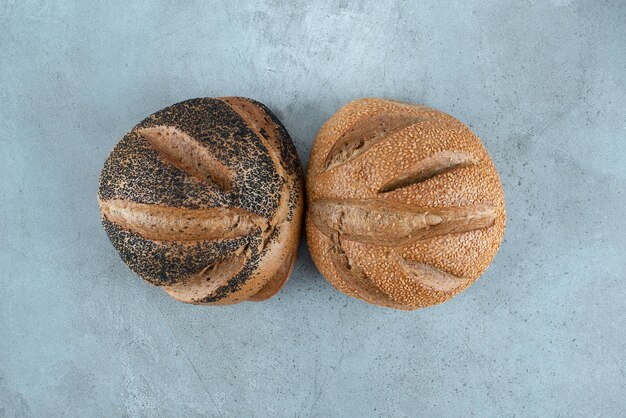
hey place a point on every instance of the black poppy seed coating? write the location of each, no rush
(165, 263)
(288, 154)
(218, 127)
(252, 263)
(145, 178)
(293, 203)
(136, 172)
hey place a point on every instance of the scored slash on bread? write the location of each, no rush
(204, 198)
(362, 137)
(353, 274)
(161, 223)
(431, 277)
(440, 163)
(183, 152)
(393, 224)
(405, 206)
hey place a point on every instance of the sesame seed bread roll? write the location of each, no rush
(204, 198)
(405, 207)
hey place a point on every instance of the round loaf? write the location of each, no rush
(204, 198)
(405, 207)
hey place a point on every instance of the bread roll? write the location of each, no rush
(406, 208)
(204, 198)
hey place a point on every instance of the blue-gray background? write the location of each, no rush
(541, 333)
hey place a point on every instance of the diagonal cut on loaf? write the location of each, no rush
(435, 165)
(209, 279)
(359, 139)
(381, 222)
(160, 223)
(179, 149)
(355, 277)
(254, 118)
(431, 277)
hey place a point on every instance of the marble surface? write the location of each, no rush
(542, 333)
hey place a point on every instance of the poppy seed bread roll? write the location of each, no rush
(405, 207)
(204, 198)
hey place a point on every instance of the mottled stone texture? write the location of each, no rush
(541, 333)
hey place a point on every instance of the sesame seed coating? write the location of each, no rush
(410, 200)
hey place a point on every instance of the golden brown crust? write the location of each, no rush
(205, 199)
(406, 208)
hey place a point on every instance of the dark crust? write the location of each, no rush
(165, 262)
(287, 153)
(134, 171)
(252, 263)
